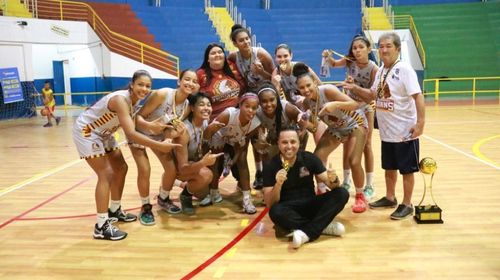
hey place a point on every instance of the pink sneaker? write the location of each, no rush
(359, 203)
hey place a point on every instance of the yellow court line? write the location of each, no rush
(231, 252)
(38, 177)
(220, 272)
(244, 222)
(476, 149)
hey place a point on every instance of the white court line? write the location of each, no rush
(461, 152)
(42, 175)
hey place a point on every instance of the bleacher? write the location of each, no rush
(308, 28)
(460, 40)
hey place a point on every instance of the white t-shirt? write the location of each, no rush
(396, 110)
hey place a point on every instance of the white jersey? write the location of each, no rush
(270, 123)
(396, 110)
(166, 109)
(233, 133)
(252, 80)
(361, 76)
(101, 121)
(195, 139)
(340, 122)
(289, 85)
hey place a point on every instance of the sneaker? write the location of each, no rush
(47, 125)
(108, 232)
(369, 192)
(402, 212)
(346, 186)
(216, 197)
(58, 120)
(206, 201)
(146, 216)
(258, 184)
(335, 229)
(248, 206)
(187, 204)
(384, 203)
(359, 203)
(121, 216)
(168, 206)
(299, 238)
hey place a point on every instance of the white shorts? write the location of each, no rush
(93, 145)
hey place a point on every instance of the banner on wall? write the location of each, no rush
(11, 85)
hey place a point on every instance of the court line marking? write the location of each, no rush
(44, 202)
(228, 246)
(461, 152)
(42, 175)
(476, 149)
(37, 177)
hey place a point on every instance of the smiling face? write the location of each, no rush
(140, 87)
(188, 82)
(202, 109)
(243, 42)
(268, 102)
(288, 144)
(216, 58)
(307, 87)
(283, 56)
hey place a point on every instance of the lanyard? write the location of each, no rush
(383, 81)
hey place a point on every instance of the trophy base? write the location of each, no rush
(430, 214)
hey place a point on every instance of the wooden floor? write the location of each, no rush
(47, 216)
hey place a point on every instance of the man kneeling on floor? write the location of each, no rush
(290, 195)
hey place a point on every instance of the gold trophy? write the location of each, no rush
(429, 213)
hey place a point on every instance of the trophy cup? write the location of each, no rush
(428, 213)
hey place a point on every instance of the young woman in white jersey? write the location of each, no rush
(362, 72)
(255, 64)
(275, 114)
(166, 105)
(93, 135)
(192, 164)
(234, 127)
(345, 123)
(286, 83)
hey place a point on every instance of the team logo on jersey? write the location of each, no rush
(304, 172)
(225, 89)
(95, 147)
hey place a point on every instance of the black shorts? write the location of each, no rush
(401, 156)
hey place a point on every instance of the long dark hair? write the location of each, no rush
(206, 66)
(278, 113)
(300, 69)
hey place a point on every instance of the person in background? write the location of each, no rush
(50, 104)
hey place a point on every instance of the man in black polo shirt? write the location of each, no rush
(289, 192)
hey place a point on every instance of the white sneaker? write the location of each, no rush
(248, 206)
(335, 229)
(369, 192)
(299, 238)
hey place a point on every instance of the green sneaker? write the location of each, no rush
(369, 192)
(346, 186)
(146, 216)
